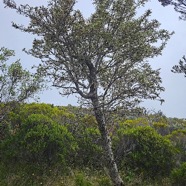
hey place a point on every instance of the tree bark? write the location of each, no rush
(107, 145)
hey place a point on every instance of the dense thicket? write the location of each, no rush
(39, 138)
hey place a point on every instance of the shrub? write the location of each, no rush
(130, 123)
(80, 180)
(178, 139)
(89, 151)
(178, 175)
(40, 140)
(60, 115)
(161, 128)
(104, 181)
(143, 150)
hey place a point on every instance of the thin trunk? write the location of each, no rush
(107, 145)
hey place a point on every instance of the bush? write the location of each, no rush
(80, 180)
(161, 128)
(178, 176)
(59, 115)
(104, 181)
(178, 139)
(40, 140)
(89, 151)
(131, 123)
(143, 150)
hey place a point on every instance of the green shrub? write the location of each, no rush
(59, 115)
(80, 180)
(178, 175)
(40, 140)
(131, 123)
(178, 139)
(161, 128)
(4, 130)
(143, 150)
(104, 181)
(89, 151)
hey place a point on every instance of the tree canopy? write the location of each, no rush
(108, 52)
(16, 83)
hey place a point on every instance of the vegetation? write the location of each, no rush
(178, 175)
(16, 86)
(143, 150)
(103, 59)
(50, 145)
(179, 6)
(16, 83)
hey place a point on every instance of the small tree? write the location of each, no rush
(103, 58)
(16, 85)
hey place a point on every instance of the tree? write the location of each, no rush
(16, 84)
(103, 58)
(179, 6)
(181, 67)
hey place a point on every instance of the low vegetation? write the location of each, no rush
(42, 144)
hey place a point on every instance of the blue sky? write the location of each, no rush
(175, 84)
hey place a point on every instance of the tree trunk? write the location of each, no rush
(107, 145)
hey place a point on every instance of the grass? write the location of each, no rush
(32, 175)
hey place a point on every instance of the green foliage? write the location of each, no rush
(4, 129)
(58, 114)
(80, 180)
(89, 120)
(142, 149)
(30, 174)
(116, 62)
(89, 151)
(104, 181)
(102, 58)
(40, 140)
(45, 144)
(33, 127)
(178, 175)
(16, 83)
(178, 139)
(130, 123)
(161, 127)
(176, 123)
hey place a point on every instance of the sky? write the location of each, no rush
(175, 84)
